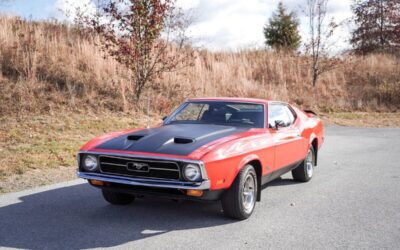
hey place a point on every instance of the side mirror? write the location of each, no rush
(279, 123)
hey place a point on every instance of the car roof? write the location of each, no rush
(230, 99)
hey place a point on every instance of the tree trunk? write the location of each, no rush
(315, 70)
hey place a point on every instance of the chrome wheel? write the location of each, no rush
(240, 199)
(248, 193)
(309, 164)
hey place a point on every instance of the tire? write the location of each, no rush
(235, 203)
(116, 198)
(304, 172)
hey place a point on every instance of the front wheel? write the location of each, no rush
(240, 199)
(116, 198)
(304, 172)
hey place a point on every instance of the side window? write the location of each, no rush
(279, 112)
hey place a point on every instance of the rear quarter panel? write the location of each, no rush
(311, 127)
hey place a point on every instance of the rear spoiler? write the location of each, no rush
(310, 112)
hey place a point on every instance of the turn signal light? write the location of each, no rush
(97, 183)
(219, 182)
(193, 192)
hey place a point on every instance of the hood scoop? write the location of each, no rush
(134, 137)
(180, 140)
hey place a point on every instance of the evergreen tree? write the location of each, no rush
(281, 32)
(377, 26)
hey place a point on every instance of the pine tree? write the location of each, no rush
(281, 32)
(377, 26)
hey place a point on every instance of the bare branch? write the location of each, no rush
(320, 32)
(141, 35)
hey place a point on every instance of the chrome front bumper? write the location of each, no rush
(204, 185)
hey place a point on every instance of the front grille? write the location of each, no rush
(134, 167)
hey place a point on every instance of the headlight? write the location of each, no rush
(192, 172)
(90, 163)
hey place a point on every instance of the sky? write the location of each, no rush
(217, 24)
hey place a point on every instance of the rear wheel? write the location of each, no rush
(304, 172)
(240, 199)
(116, 198)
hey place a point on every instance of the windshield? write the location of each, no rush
(221, 113)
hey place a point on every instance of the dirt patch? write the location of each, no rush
(364, 119)
(36, 177)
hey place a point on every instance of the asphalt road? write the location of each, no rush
(353, 202)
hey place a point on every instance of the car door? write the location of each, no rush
(287, 139)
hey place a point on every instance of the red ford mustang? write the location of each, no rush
(209, 149)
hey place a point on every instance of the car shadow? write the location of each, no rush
(280, 181)
(77, 217)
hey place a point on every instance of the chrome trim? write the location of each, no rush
(145, 183)
(164, 169)
(184, 169)
(203, 171)
(140, 159)
(182, 106)
(132, 158)
(113, 164)
(200, 163)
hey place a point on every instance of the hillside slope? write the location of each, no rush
(49, 66)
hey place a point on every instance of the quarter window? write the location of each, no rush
(280, 112)
(290, 114)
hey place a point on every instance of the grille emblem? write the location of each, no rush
(138, 166)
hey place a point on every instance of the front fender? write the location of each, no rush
(245, 160)
(222, 173)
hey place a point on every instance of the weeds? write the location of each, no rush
(48, 67)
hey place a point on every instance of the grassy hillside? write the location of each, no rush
(40, 149)
(46, 67)
(57, 90)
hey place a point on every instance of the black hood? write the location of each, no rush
(177, 139)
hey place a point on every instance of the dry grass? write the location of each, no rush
(46, 67)
(32, 146)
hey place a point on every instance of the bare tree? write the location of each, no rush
(320, 32)
(147, 36)
(377, 26)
